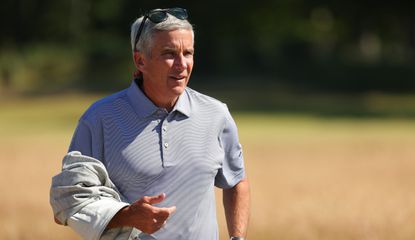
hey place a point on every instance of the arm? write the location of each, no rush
(236, 201)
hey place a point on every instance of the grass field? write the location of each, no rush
(311, 178)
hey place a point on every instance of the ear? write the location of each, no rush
(139, 60)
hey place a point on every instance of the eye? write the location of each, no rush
(168, 54)
(188, 53)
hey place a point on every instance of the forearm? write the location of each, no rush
(236, 202)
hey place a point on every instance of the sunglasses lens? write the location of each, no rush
(160, 15)
(157, 16)
(179, 13)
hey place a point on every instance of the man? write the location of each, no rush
(163, 146)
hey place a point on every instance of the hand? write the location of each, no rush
(142, 215)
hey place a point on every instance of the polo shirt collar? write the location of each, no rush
(183, 104)
(141, 104)
(144, 107)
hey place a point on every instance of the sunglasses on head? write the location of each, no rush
(158, 16)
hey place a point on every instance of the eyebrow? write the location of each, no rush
(169, 49)
(173, 49)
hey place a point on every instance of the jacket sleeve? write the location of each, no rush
(83, 197)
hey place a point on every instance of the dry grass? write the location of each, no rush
(310, 178)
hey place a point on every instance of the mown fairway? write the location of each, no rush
(311, 178)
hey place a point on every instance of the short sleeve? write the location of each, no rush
(86, 140)
(232, 171)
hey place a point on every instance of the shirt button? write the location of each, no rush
(166, 145)
(164, 128)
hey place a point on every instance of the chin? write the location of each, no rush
(178, 90)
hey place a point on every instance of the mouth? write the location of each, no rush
(178, 78)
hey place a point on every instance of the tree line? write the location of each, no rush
(345, 46)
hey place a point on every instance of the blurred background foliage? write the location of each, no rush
(271, 48)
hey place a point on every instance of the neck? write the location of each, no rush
(153, 95)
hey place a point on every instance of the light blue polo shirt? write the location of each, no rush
(183, 153)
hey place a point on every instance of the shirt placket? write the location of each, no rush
(166, 143)
(164, 137)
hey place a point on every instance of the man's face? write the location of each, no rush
(167, 71)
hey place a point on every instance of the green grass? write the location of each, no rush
(293, 126)
(60, 113)
(324, 105)
(42, 114)
(376, 111)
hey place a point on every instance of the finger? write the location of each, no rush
(154, 199)
(164, 213)
(170, 210)
(165, 210)
(161, 224)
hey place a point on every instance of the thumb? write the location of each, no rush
(171, 209)
(154, 199)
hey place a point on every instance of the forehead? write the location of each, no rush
(180, 38)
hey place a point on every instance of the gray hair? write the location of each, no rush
(144, 44)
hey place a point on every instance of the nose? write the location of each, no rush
(180, 62)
